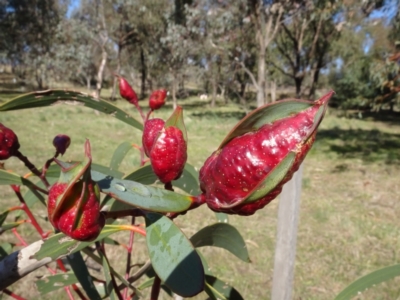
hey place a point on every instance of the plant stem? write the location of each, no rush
(26, 209)
(12, 295)
(32, 168)
(129, 257)
(155, 289)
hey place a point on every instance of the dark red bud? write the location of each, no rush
(157, 99)
(61, 142)
(244, 164)
(127, 91)
(169, 154)
(151, 130)
(91, 220)
(9, 144)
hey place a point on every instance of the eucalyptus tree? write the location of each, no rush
(305, 41)
(27, 31)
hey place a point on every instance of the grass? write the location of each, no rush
(350, 199)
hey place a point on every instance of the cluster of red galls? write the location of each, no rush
(243, 175)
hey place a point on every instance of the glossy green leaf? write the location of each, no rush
(176, 120)
(119, 155)
(7, 178)
(272, 179)
(188, 182)
(141, 196)
(8, 226)
(110, 289)
(217, 289)
(273, 112)
(59, 245)
(3, 217)
(173, 257)
(54, 170)
(53, 97)
(224, 236)
(52, 283)
(81, 272)
(149, 282)
(222, 217)
(115, 273)
(368, 281)
(5, 249)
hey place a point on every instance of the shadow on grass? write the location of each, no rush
(368, 145)
(217, 114)
(386, 116)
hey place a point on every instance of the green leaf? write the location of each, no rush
(7, 178)
(224, 236)
(81, 272)
(368, 281)
(218, 289)
(5, 249)
(222, 217)
(51, 97)
(60, 245)
(52, 283)
(188, 182)
(110, 290)
(9, 226)
(173, 257)
(119, 155)
(3, 217)
(176, 120)
(134, 194)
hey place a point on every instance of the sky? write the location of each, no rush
(74, 4)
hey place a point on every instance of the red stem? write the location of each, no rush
(26, 209)
(12, 295)
(21, 240)
(129, 257)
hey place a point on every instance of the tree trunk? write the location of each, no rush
(298, 81)
(143, 72)
(174, 86)
(261, 77)
(117, 70)
(88, 80)
(273, 90)
(99, 83)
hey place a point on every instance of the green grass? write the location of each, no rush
(350, 201)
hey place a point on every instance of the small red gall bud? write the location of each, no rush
(151, 130)
(9, 144)
(127, 92)
(61, 142)
(91, 220)
(157, 99)
(169, 154)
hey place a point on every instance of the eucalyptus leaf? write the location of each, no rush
(3, 217)
(217, 289)
(110, 289)
(59, 245)
(368, 281)
(52, 283)
(5, 249)
(136, 195)
(81, 272)
(8, 226)
(119, 155)
(224, 236)
(53, 97)
(173, 257)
